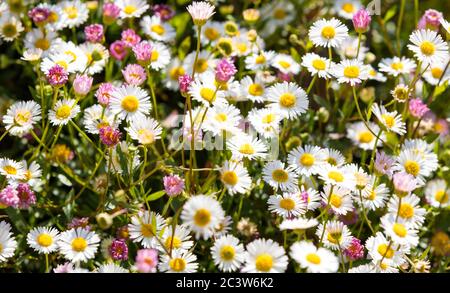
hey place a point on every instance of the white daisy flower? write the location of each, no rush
(347, 8)
(32, 55)
(204, 62)
(265, 256)
(334, 157)
(328, 33)
(401, 232)
(252, 90)
(224, 227)
(55, 21)
(437, 193)
(390, 120)
(235, 178)
(66, 55)
(173, 71)
(287, 205)
(428, 46)
(362, 136)
(313, 259)
(130, 102)
(176, 238)
(425, 150)
(131, 8)
(205, 90)
(350, 71)
(156, 29)
(437, 74)
(222, 118)
(375, 197)
(379, 249)
(408, 210)
(397, 66)
(288, 99)
(96, 55)
(160, 56)
(259, 61)
(211, 33)
(266, 121)
(413, 163)
(63, 111)
(43, 239)
(280, 177)
(298, 224)
(146, 228)
(21, 116)
(286, 64)
(348, 49)
(96, 117)
(78, 244)
(74, 13)
(111, 268)
(11, 169)
(201, 12)
(375, 75)
(10, 27)
(145, 130)
(339, 199)
(246, 146)
(317, 65)
(277, 14)
(35, 39)
(307, 160)
(201, 214)
(228, 254)
(180, 261)
(335, 235)
(310, 197)
(8, 244)
(242, 46)
(338, 176)
(33, 174)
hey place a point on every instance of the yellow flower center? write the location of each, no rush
(177, 264)
(307, 160)
(79, 244)
(9, 30)
(247, 149)
(173, 242)
(10, 170)
(221, 117)
(147, 230)
(230, 178)
(441, 196)
(328, 32)
(335, 200)
(284, 64)
(269, 118)
(202, 217)
(71, 54)
(264, 262)
(155, 56)
(242, 47)
(437, 72)
(279, 13)
(348, 7)
(176, 72)
(335, 237)
(427, 48)
(158, 29)
(397, 66)
(42, 44)
(319, 64)
(22, 117)
(71, 11)
(372, 195)
(260, 59)
(313, 258)
(365, 137)
(44, 240)
(399, 229)
(130, 103)
(255, 89)
(227, 252)
(279, 175)
(351, 71)
(389, 121)
(287, 100)
(146, 136)
(412, 167)
(129, 9)
(1, 248)
(63, 112)
(336, 176)
(212, 34)
(63, 64)
(406, 211)
(207, 94)
(201, 65)
(287, 204)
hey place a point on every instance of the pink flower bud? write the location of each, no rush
(225, 70)
(118, 50)
(184, 82)
(143, 52)
(82, 85)
(94, 33)
(57, 76)
(110, 13)
(430, 20)
(417, 108)
(361, 21)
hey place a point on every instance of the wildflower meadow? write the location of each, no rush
(248, 136)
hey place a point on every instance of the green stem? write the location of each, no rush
(399, 25)
(311, 84)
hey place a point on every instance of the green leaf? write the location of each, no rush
(440, 89)
(184, 47)
(180, 22)
(123, 162)
(425, 253)
(156, 195)
(296, 55)
(390, 13)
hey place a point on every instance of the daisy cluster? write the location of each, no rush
(274, 136)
